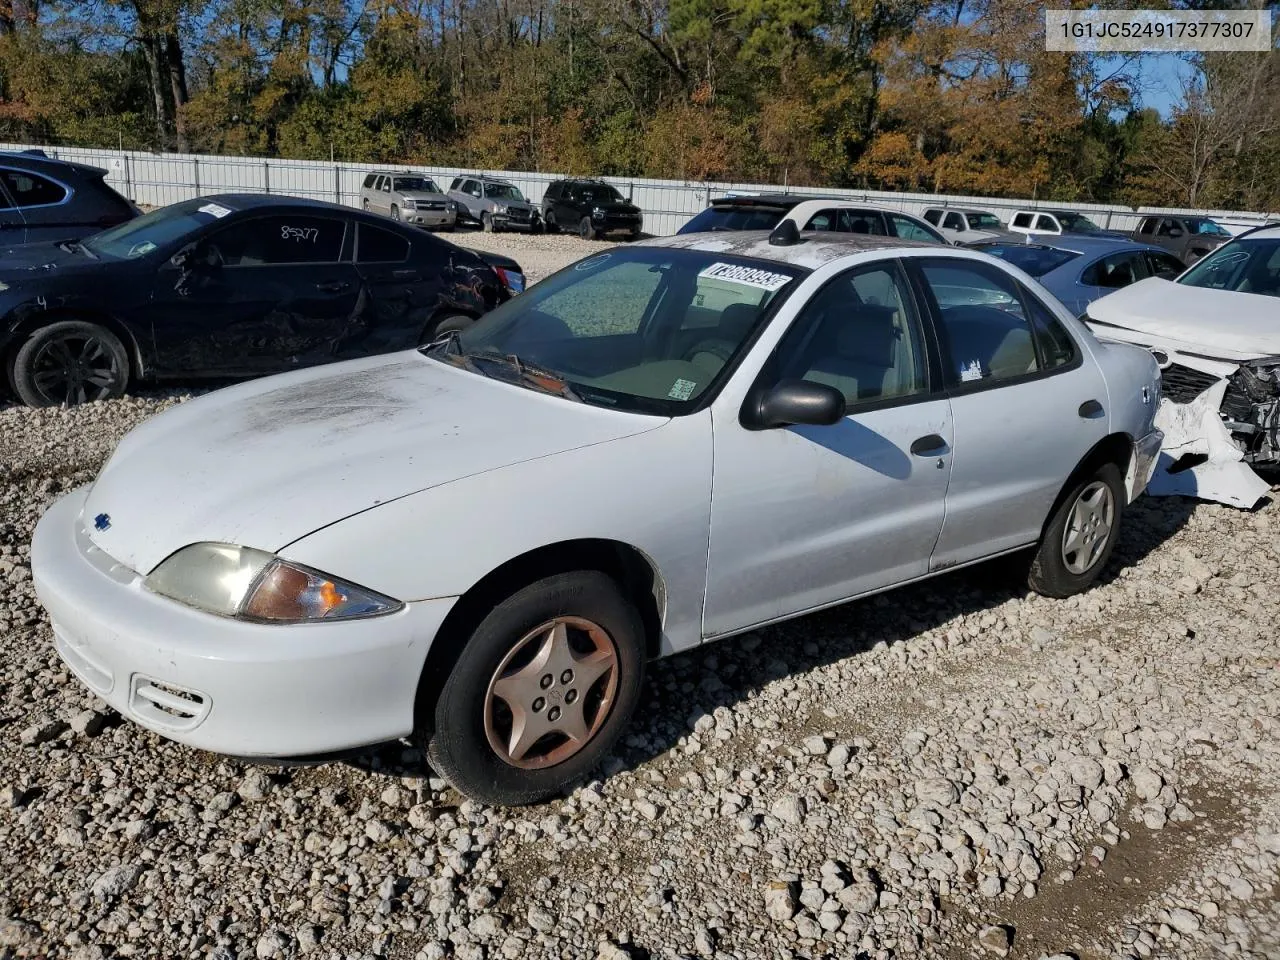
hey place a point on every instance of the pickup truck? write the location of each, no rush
(1054, 223)
(1187, 238)
(965, 226)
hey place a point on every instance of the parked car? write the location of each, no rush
(1078, 269)
(1055, 223)
(591, 207)
(229, 286)
(410, 197)
(451, 541)
(964, 226)
(1215, 331)
(494, 204)
(1187, 238)
(46, 199)
(766, 211)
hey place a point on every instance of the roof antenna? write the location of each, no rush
(785, 234)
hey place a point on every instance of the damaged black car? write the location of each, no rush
(229, 287)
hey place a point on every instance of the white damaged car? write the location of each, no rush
(1215, 332)
(482, 542)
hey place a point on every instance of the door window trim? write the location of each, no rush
(67, 194)
(767, 376)
(925, 294)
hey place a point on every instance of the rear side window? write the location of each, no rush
(30, 189)
(1045, 222)
(280, 240)
(1057, 349)
(1022, 220)
(376, 245)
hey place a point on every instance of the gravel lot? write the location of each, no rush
(955, 770)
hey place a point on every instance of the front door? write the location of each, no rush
(802, 517)
(1027, 401)
(275, 296)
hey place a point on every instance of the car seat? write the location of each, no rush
(717, 345)
(860, 350)
(989, 342)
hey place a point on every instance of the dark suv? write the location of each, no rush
(591, 208)
(46, 199)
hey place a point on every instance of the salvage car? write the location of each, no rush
(1187, 238)
(827, 214)
(494, 204)
(410, 197)
(451, 542)
(230, 286)
(43, 199)
(1054, 223)
(1079, 269)
(965, 226)
(591, 207)
(1215, 332)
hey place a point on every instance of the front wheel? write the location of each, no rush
(585, 230)
(542, 690)
(486, 222)
(550, 220)
(1080, 535)
(395, 212)
(69, 362)
(446, 324)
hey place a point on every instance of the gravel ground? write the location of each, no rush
(959, 769)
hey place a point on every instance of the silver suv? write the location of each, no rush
(494, 204)
(410, 197)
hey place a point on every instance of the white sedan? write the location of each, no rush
(482, 542)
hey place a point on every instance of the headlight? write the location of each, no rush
(251, 584)
(598, 213)
(451, 207)
(499, 208)
(410, 202)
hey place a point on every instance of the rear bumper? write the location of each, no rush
(220, 684)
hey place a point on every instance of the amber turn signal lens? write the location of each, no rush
(289, 593)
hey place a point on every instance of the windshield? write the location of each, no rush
(648, 330)
(1205, 227)
(151, 231)
(734, 218)
(1245, 266)
(415, 184)
(599, 193)
(1033, 259)
(1077, 223)
(502, 191)
(982, 221)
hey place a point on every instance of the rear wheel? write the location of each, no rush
(585, 230)
(541, 691)
(1080, 536)
(69, 362)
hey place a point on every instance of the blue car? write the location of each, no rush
(1078, 270)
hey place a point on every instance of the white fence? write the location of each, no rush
(163, 178)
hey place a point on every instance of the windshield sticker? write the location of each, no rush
(215, 210)
(592, 262)
(747, 276)
(140, 249)
(300, 234)
(682, 389)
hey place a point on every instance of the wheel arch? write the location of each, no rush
(1114, 448)
(633, 570)
(22, 324)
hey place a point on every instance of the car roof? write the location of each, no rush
(37, 161)
(266, 201)
(1079, 243)
(961, 210)
(1268, 231)
(813, 250)
(783, 200)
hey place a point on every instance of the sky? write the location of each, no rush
(1162, 75)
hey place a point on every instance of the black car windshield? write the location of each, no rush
(983, 221)
(1077, 223)
(644, 329)
(415, 184)
(734, 217)
(1032, 258)
(1205, 227)
(151, 231)
(502, 191)
(598, 193)
(1245, 266)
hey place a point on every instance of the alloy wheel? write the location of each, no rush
(75, 369)
(1088, 527)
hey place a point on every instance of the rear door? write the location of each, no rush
(402, 283)
(1028, 403)
(281, 295)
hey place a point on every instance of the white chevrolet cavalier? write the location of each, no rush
(483, 542)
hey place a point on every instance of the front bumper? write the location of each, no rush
(618, 225)
(431, 218)
(246, 689)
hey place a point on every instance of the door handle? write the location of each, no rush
(929, 446)
(404, 274)
(1090, 410)
(332, 286)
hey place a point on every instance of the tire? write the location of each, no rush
(364, 204)
(446, 324)
(486, 222)
(633, 236)
(471, 745)
(395, 212)
(69, 362)
(585, 230)
(550, 221)
(1093, 506)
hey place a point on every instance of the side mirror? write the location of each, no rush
(793, 402)
(1175, 232)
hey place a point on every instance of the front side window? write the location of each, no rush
(1245, 266)
(859, 335)
(1203, 226)
(1170, 228)
(642, 329)
(31, 190)
(983, 221)
(1044, 222)
(278, 240)
(502, 191)
(954, 221)
(1164, 264)
(985, 330)
(599, 193)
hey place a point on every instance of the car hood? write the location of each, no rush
(1215, 323)
(617, 206)
(35, 259)
(268, 462)
(416, 195)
